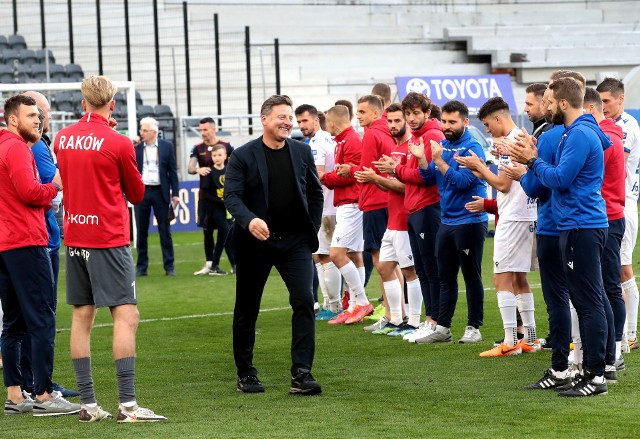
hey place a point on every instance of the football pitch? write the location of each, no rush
(373, 386)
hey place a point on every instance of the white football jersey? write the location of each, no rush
(323, 149)
(631, 142)
(515, 205)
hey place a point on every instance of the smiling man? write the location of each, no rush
(273, 191)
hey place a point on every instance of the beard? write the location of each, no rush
(27, 134)
(452, 135)
(400, 133)
(558, 117)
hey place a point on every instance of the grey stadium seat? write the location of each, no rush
(4, 44)
(145, 111)
(17, 42)
(41, 54)
(74, 72)
(6, 74)
(28, 57)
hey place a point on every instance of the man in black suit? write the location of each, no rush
(157, 164)
(273, 191)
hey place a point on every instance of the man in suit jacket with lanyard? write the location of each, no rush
(273, 191)
(157, 164)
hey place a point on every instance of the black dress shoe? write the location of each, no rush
(140, 273)
(171, 272)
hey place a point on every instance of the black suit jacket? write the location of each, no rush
(166, 167)
(246, 187)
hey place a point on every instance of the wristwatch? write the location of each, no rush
(531, 161)
(57, 186)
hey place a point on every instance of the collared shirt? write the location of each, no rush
(150, 166)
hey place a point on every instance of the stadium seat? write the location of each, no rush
(63, 101)
(120, 112)
(120, 99)
(28, 57)
(4, 44)
(41, 54)
(17, 42)
(138, 98)
(10, 55)
(74, 72)
(56, 72)
(6, 74)
(24, 74)
(163, 111)
(145, 111)
(39, 72)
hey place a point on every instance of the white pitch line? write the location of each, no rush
(168, 319)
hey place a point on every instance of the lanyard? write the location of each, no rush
(146, 158)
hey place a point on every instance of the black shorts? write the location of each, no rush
(374, 224)
(101, 277)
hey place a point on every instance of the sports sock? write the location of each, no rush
(526, 308)
(321, 284)
(560, 374)
(598, 379)
(84, 379)
(393, 291)
(630, 288)
(352, 277)
(363, 275)
(125, 371)
(333, 283)
(618, 349)
(507, 304)
(414, 308)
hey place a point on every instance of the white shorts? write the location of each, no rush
(630, 236)
(396, 248)
(325, 234)
(348, 231)
(513, 246)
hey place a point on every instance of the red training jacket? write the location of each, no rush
(417, 195)
(377, 141)
(24, 198)
(613, 184)
(398, 215)
(348, 150)
(98, 169)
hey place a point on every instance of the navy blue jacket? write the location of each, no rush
(166, 168)
(246, 187)
(458, 185)
(576, 179)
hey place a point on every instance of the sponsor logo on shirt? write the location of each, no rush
(78, 218)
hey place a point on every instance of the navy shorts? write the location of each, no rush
(374, 224)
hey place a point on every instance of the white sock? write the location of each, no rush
(618, 349)
(351, 276)
(575, 326)
(322, 285)
(208, 264)
(507, 304)
(414, 307)
(443, 329)
(393, 290)
(598, 379)
(630, 288)
(332, 281)
(362, 274)
(577, 352)
(561, 374)
(526, 308)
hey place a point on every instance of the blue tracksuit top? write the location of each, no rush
(547, 146)
(576, 179)
(47, 170)
(457, 186)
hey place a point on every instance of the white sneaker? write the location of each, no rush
(93, 414)
(377, 325)
(471, 335)
(423, 330)
(137, 414)
(204, 270)
(55, 406)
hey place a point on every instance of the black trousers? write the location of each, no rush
(153, 198)
(581, 251)
(556, 296)
(26, 292)
(216, 218)
(423, 228)
(613, 289)
(291, 256)
(459, 248)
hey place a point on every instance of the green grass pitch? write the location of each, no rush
(373, 386)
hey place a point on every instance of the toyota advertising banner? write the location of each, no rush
(472, 90)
